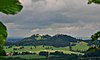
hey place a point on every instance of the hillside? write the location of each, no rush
(58, 40)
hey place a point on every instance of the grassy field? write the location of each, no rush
(41, 48)
(32, 48)
(82, 46)
(31, 56)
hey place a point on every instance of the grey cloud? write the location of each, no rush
(36, 0)
(55, 14)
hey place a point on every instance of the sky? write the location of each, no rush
(70, 17)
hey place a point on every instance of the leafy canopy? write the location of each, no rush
(10, 6)
(3, 33)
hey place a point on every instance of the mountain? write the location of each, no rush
(58, 40)
(13, 39)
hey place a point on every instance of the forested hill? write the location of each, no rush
(58, 40)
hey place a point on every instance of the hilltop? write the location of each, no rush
(58, 40)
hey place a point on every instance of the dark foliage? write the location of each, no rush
(43, 53)
(95, 53)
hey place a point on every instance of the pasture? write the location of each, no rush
(81, 46)
(37, 49)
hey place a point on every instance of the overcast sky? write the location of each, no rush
(70, 17)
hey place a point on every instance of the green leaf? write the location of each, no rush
(10, 6)
(94, 1)
(3, 33)
(2, 52)
(95, 36)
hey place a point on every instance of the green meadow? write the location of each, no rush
(81, 46)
